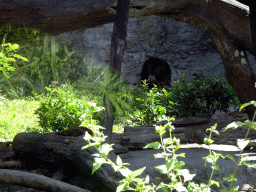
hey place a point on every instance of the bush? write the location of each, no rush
(62, 109)
(199, 97)
(202, 96)
(151, 106)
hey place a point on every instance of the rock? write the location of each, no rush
(63, 150)
(200, 135)
(179, 122)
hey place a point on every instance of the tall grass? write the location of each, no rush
(48, 61)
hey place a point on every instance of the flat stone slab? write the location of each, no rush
(246, 175)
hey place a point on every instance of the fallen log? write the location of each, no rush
(143, 136)
(182, 122)
(66, 151)
(139, 137)
(36, 181)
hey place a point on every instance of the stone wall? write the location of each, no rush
(186, 48)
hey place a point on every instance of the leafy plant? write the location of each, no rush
(48, 60)
(7, 58)
(150, 107)
(126, 94)
(202, 96)
(111, 84)
(62, 109)
(199, 97)
(18, 33)
(172, 167)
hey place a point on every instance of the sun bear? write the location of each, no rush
(156, 71)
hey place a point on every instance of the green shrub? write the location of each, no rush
(202, 96)
(63, 109)
(125, 95)
(151, 106)
(199, 97)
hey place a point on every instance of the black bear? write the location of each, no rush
(156, 71)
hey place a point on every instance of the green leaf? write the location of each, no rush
(186, 174)
(13, 116)
(154, 145)
(179, 187)
(251, 124)
(170, 164)
(230, 157)
(20, 57)
(246, 104)
(161, 168)
(118, 160)
(139, 171)
(105, 149)
(242, 143)
(125, 172)
(147, 179)
(234, 125)
(208, 141)
(179, 165)
(160, 130)
(87, 136)
(121, 187)
(97, 164)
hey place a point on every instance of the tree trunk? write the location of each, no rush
(118, 46)
(237, 69)
(245, 83)
(107, 120)
(252, 16)
(118, 39)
